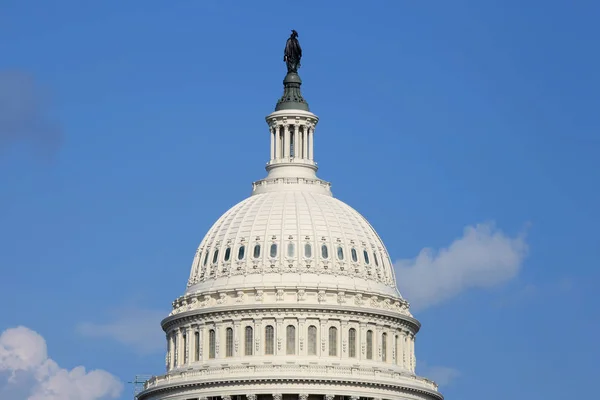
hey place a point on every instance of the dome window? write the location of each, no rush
(384, 346)
(229, 342)
(257, 251)
(291, 250)
(269, 340)
(312, 340)
(354, 255)
(211, 344)
(290, 347)
(324, 251)
(333, 341)
(206, 258)
(307, 250)
(215, 257)
(227, 253)
(249, 336)
(366, 255)
(273, 251)
(376, 260)
(369, 345)
(352, 343)
(241, 252)
(340, 253)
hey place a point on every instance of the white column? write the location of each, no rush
(399, 352)
(362, 342)
(311, 152)
(286, 141)
(192, 344)
(179, 347)
(301, 333)
(297, 148)
(237, 334)
(171, 351)
(272, 142)
(412, 353)
(344, 339)
(277, 143)
(201, 355)
(405, 350)
(304, 143)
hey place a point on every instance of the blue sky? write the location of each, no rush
(467, 127)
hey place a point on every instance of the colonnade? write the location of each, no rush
(292, 141)
(277, 337)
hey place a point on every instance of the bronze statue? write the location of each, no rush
(292, 53)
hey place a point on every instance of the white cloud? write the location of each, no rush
(24, 358)
(483, 257)
(136, 328)
(443, 376)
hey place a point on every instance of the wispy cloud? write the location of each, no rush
(24, 115)
(443, 376)
(32, 375)
(483, 257)
(137, 328)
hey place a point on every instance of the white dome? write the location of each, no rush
(292, 238)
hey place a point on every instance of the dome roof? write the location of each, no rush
(295, 238)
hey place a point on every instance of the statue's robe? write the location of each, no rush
(292, 53)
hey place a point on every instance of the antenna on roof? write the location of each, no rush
(138, 384)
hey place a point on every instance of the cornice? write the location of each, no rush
(273, 310)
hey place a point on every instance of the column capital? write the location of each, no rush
(251, 397)
(329, 396)
(277, 396)
(303, 396)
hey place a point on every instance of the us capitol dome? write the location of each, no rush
(292, 294)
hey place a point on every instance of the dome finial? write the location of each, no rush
(292, 97)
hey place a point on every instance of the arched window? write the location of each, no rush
(290, 347)
(227, 253)
(269, 340)
(185, 345)
(229, 342)
(366, 255)
(175, 350)
(291, 250)
(256, 251)
(292, 146)
(273, 251)
(396, 348)
(375, 259)
(354, 255)
(248, 341)
(197, 346)
(352, 342)
(324, 251)
(211, 343)
(216, 256)
(333, 341)
(369, 345)
(205, 258)
(241, 252)
(312, 340)
(340, 253)
(307, 250)
(384, 347)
